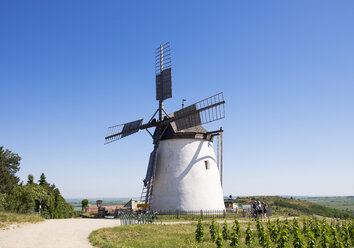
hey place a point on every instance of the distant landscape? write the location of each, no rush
(77, 205)
(345, 203)
(337, 202)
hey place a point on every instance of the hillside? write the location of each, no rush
(295, 207)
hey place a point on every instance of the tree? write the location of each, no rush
(42, 180)
(9, 166)
(30, 179)
(85, 203)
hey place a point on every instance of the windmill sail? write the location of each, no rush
(120, 131)
(163, 72)
(208, 110)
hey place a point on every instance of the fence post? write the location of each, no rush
(177, 214)
(201, 214)
(224, 213)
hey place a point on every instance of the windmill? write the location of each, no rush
(182, 173)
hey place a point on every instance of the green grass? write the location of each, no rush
(177, 235)
(8, 218)
(295, 207)
(145, 236)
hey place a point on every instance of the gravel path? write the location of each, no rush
(63, 233)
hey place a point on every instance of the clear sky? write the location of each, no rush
(70, 69)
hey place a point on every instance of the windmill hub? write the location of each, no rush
(183, 172)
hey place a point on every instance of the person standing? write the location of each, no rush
(265, 208)
(259, 210)
(254, 210)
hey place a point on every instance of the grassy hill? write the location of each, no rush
(295, 207)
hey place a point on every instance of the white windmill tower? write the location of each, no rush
(183, 172)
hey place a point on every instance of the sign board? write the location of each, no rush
(143, 205)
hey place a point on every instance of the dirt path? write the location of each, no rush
(63, 233)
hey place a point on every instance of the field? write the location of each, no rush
(6, 219)
(183, 235)
(337, 202)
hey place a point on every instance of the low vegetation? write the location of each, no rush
(295, 233)
(295, 207)
(149, 236)
(6, 219)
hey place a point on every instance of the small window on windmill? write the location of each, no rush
(207, 164)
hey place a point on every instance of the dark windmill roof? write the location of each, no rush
(197, 132)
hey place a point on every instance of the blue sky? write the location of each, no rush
(70, 69)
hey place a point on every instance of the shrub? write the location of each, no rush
(3, 201)
(235, 240)
(311, 240)
(297, 240)
(336, 243)
(316, 229)
(236, 227)
(249, 235)
(225, 231)
(305, 228)
(219, 239)
(273, 231)
(199, 233)
(267, 242)
(344, 233)
(325, 234)
(212, 230)
(283, 237)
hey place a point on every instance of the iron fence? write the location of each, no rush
(192, 215)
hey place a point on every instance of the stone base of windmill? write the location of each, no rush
(187, 178)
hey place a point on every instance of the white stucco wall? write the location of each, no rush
(182, 181)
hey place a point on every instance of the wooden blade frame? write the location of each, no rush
(120, 131)
(208, 110)
(163, 65)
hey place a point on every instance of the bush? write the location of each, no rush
(3, 201)
(284, 236)
(225, 231)
(212, 230)
(249, 235)
(199, 233)
(235, 240)
(218, 242)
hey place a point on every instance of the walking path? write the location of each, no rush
(62, 233)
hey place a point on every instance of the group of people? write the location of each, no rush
(259, 210)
